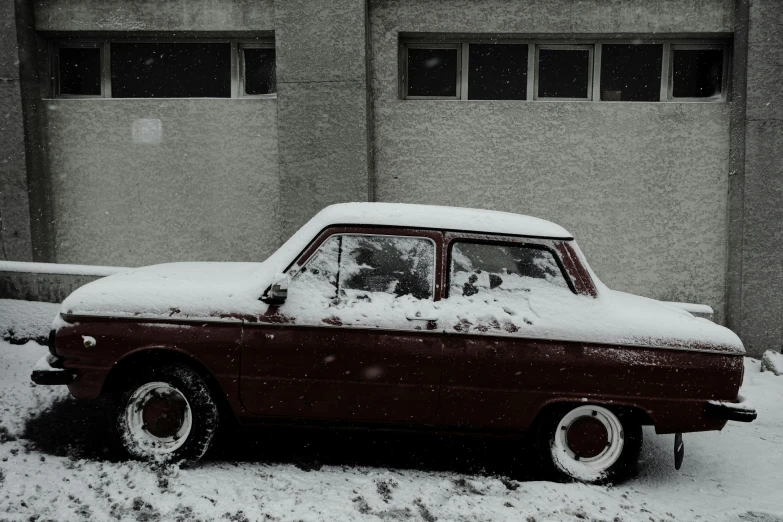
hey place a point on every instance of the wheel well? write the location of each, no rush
(635, 413)
(125, 368)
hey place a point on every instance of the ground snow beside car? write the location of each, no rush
(53, 466)
(772, 362)
(26, 320)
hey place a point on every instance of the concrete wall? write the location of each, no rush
(209, 190)
(154, 15)
(15, 237)
(761, 313)
(642, 186)
(322, 96)
(232, 178)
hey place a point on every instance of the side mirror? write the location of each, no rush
(277, 292)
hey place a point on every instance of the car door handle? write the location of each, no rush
(420, 317)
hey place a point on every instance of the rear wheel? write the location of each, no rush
(589, 443)
(167, 414)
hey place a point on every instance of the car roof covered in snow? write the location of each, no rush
(436, 217)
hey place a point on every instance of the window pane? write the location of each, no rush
(260, 74)
(698, 73)
(171, 70)
(319, 275)
(631, 72)
(392, 265)
(80, 70)
(497, 72)
(563, 73)
(481, 268)
(432, 72)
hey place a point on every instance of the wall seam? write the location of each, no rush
(370, 108)
(736, 190)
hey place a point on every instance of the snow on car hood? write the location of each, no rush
(230, 291)
(182, 290)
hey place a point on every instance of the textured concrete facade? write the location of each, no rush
(208, 190)
(552, 16)
(15, 237)
(642, 186)
(154, 15)
(322, 103)
(761, 314)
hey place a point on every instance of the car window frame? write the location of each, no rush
(488, 239)
(435, 236)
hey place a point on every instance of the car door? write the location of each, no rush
(356, 338)
(492, 371)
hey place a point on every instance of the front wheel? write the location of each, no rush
(589, 443)
(167, 414)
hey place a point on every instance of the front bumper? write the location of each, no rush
(48, 371)
(740, 411)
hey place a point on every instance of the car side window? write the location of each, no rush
(319, 274)
(494, 268)
(389, 264)
(353, 266)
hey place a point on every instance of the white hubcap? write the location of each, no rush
(158, 418)
(588, 441)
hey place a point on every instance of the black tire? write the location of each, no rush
(184, 429)
(562, 462)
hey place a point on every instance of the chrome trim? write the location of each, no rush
(72, 318)
(75, 318)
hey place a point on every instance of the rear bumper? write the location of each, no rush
(740, 411)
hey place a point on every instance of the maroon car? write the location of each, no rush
(405, 316)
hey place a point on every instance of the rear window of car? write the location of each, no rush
(477, 268)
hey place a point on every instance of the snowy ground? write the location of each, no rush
(54, 466)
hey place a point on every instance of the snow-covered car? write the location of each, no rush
(379, 315)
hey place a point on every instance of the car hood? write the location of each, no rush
(181, 290)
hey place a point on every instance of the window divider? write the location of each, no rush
(665, 70)
(463, 72)
(106, 70)
(531, 71)
(235, 87)
(596, 72)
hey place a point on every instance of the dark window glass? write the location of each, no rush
(355, 267)
(563, 73)
(503, 269)
(432, 72)
(80, 70)
(497, 72)
(698, 73)
(260, 73)
(631, 72)
(171, 70)
(392, 265)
